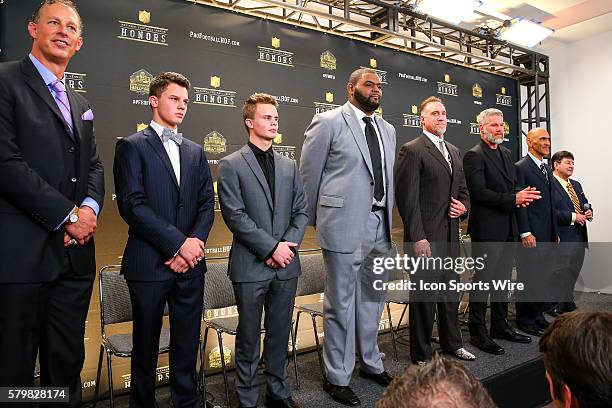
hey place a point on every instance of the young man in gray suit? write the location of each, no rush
(347, 166)
(263, 204)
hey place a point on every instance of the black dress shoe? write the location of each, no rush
(569, 306)
(341, 393)
(510, 335)
(281, 403)
(486, 344)
(555, 311)
(531, 329)
(382, 379)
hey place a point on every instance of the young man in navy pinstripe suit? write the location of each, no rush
(164, 193)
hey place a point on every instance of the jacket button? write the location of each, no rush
(71, 150)
(371, 183)
(74, 179)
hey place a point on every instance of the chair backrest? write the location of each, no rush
(218, 289)
(312, 279)
(115, 303)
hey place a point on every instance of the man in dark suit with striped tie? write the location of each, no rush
(165, 195)
(431, 195)
(571, 216)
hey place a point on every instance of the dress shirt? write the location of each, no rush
(436, 141)
(266, 162)
(360, 115)
(171, 148)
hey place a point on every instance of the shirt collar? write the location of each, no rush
(159, 129)
(361, 114)
(563, 182)
(258, 151)
(435, 139)
(47, 76)
(535, 160)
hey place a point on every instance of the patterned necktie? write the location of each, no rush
(543, 170)
(62, 102)
(574, 198)
(167, 134)
(375, 156)
(445, 154)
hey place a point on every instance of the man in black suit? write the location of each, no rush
(51, 193)
(537, 231)
(431, 195)
(164, 193)
(263, 204)
(571, 217)
(493, 230)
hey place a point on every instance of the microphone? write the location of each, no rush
(586, 207)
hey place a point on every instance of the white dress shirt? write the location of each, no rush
(171, 148)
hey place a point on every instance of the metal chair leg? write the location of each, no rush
(316, 336)
(98, 371)
(392, 332)
(109, 366)
(220, 342)
(202, 378)
(294, 355)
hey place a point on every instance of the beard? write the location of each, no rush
(491, 139)
(365, 103)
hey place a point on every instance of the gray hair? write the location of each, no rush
(483, 117)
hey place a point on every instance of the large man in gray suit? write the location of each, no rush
(263, 204)
(347, 167)
(432, 195)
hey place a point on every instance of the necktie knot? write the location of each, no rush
(58, 86)
(167, 134)
(367, 120)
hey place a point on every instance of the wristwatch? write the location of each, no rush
(74, 216)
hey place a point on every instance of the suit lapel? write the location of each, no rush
(35, 81)
(249, 156)
(185, 160)
(358, 135)
(277, 180)
(565, 194)
(155, 142)
(534, 168)
(435, 153)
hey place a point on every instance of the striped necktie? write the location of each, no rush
(574, 198)
(61, 99)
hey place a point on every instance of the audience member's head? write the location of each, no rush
(441, 383)
(577, 350)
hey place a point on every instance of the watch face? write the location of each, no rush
(74, 218)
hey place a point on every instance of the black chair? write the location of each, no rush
(312, 281)
(218, 294)
(116, 307)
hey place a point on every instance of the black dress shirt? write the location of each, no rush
(266, 162)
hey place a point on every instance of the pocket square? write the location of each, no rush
(88, 115)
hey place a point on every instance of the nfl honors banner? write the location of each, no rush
(227, 57)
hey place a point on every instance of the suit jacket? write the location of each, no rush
(337, 171)
(491, 184)
(159, 213)
(538, 218)
(563, 212)
(257, 222)
(423, 189)
(44, 174)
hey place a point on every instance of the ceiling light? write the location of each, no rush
(453, 11)
(524, 32)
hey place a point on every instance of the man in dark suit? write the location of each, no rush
(491, 179)
(431, 195)
(164, 193)
(571, 217)
(263, 204)
(51, 192)
(537, 231)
